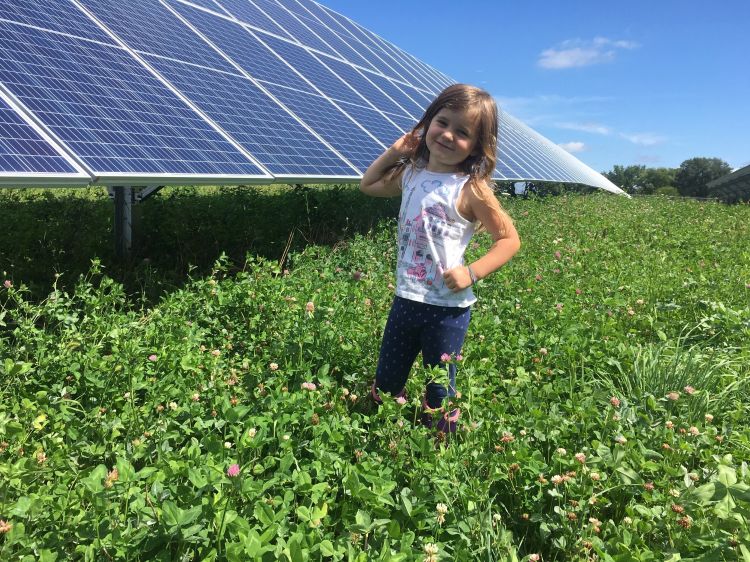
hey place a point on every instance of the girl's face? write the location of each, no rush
(451, 138)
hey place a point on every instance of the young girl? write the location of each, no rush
(442, 170)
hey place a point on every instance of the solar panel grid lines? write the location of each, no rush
(358, 146)
(414, 77)
(226, 29)
(314, 71)
(220, 89)
(62, 17)
(365, 89)
(567, 168)
(212, 5)
(276, 138)
(278, 46)
(293, 26)
(240, 45)
(260, 171)
(149, 27)
(437, 81)
(360, 46)
(26, 150)
(368, 40)
(253, 105)
(391, 89)
(250, 14)
(99, 92)
(334, 86)
(412, 93)
(385, 130)
(511, 141)
(319, 21)
(324, 108)
(537, 161)
(364, 85)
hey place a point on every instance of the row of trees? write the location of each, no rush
(691, 179)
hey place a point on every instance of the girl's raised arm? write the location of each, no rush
(381, 179)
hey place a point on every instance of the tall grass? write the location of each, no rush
(720, 378)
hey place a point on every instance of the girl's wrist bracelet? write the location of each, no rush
(472, 275)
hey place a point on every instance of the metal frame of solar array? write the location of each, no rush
(732, 188)
(118, 92)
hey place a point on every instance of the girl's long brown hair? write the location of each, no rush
(480, 165)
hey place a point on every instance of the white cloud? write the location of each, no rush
(643, 139)
(648, 159)
(547, 108)
(573, 147)
(595, 128)
(578, 52)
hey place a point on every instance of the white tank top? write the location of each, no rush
(432, 237)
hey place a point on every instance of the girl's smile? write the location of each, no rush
(450, 138)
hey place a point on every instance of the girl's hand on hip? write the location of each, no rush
(457, 279)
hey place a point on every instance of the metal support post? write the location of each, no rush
(123, 196)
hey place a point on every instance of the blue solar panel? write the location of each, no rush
(219, 87)
(361, 43)
(109, 110)
(23, 150)
(437, 80)
(247, 12)
(420, 100)
(260, 125)
(430, 81)
(320, 76)
(367, 88)
(425, 97)
(244, 48)
(404, 124)
(410, 106)
(314, 17)
(374, 121)
(64, 17)
(209, 5)
(405, 71)
(523, 153)
(354, 144)
(151, 28)
(292, 25)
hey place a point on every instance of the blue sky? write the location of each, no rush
(632, 82)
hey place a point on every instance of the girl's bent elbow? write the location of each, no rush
(516, 245)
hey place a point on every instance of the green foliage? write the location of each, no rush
(179, 231)
(119, 420)
(627, 178)
(638, 179)
(669, 191)
(695, 174)
(656, 179)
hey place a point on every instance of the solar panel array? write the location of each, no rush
(205, 91)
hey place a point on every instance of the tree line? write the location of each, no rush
(691, 179)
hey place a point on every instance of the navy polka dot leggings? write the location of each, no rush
(413, 327)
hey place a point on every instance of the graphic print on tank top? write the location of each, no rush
(422, 236)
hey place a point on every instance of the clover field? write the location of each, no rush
(605, 396)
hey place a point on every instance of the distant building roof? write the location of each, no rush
(733, 187)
